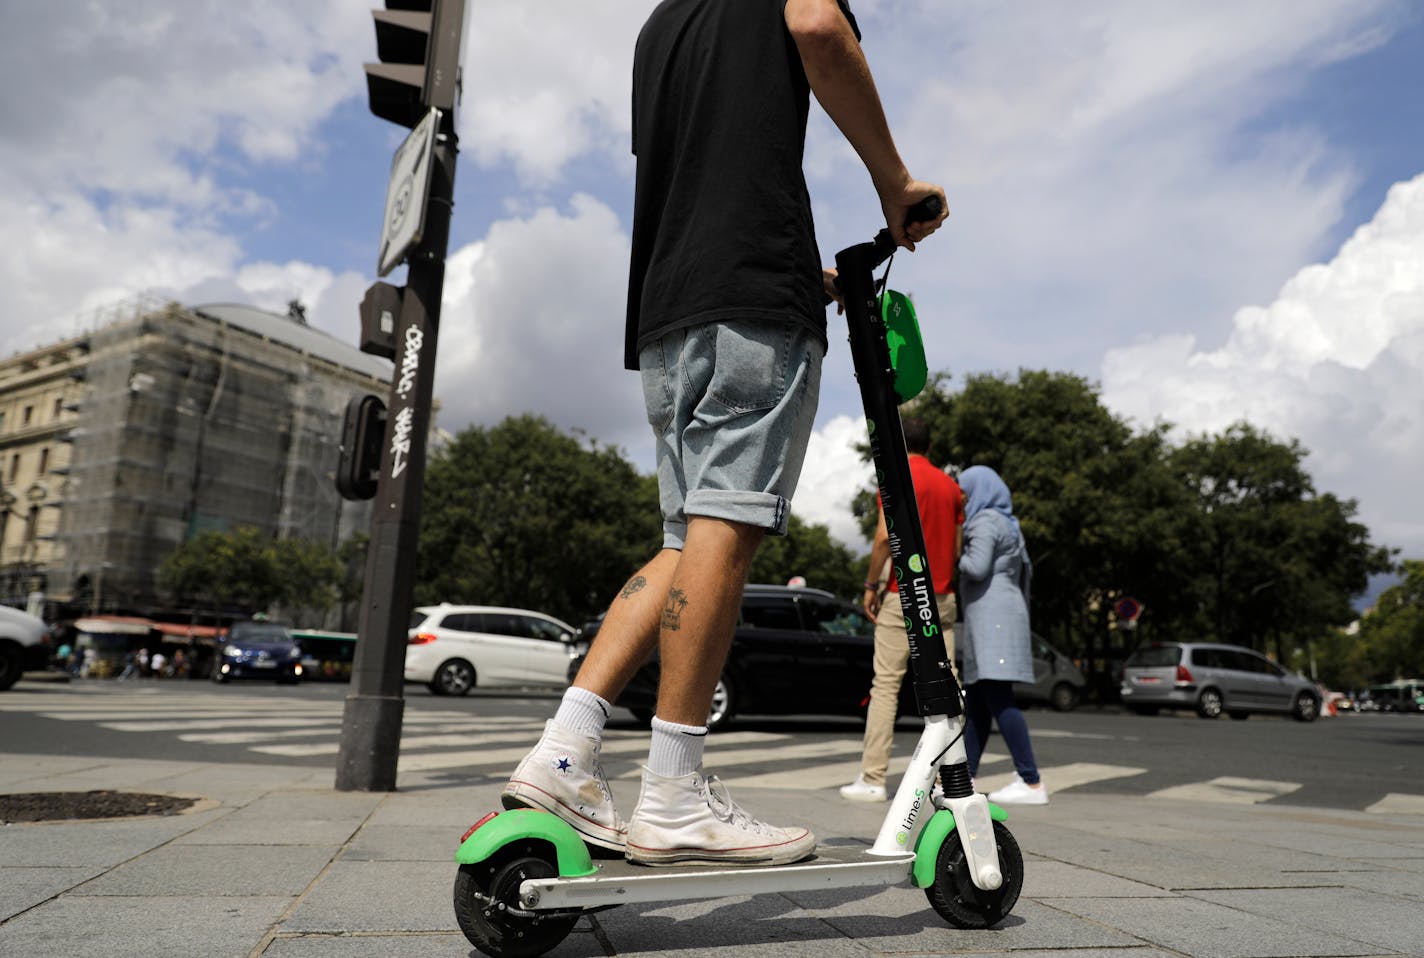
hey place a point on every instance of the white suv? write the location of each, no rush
(24, 646)
(453, 648)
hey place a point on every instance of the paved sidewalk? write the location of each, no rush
(275, 863)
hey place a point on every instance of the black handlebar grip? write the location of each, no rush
(925, 210)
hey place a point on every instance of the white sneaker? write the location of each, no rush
(562, 774)
(1018, 792)
(692, 818)
(862, 791)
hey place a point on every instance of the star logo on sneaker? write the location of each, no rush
(564, 764)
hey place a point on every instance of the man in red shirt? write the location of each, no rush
(941, 506)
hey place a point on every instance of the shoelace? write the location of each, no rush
(726, 810)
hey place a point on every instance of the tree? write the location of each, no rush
(1391, 634)
(244, 571)
(1222, 537)
(1099, 513)
(1276, 563)
(521, 514)
(811, 552)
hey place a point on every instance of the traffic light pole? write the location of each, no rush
(371, 722)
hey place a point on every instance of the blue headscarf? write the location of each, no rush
(984, 489)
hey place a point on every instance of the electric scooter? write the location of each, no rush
(525, 876)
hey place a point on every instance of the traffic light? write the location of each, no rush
(418, 44)
(362, 435)
(380, 310)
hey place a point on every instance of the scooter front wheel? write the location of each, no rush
(488, 910)
(964, 904)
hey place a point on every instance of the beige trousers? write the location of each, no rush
(892, 659)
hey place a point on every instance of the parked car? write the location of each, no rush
(454, 648)
(1056, 679)
(258, 650)
(1213, 679)
(801, 651)
(24, 645)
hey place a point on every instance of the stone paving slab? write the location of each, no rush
(371, 896)
(202, 870)
(1376, 919)
(26, 887)
(1204, 929)
(286, 867)
(382, 946)
(83, 926)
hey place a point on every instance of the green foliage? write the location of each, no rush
(244, 570)
(1221, 538)
(809, 551)
(1277, 564)
(523, 515)
(1391, 637)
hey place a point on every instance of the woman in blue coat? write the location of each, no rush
(994, 577)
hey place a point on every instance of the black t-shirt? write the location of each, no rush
(722, 224)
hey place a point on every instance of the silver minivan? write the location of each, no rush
(1213, 679)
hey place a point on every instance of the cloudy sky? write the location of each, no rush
(1213, 209)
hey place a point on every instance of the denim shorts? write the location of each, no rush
(731, 406)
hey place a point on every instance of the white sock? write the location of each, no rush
(676, 749)
(583, 711)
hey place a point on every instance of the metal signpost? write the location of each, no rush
(415, 85)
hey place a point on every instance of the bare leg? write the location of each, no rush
(629, 630)
(700, 610)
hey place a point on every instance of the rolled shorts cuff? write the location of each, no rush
(766, 510)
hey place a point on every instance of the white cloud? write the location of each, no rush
(832, 475)
(1336, 360)
(547, 85)
(533, 322)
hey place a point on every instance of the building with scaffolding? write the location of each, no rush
(165, 421)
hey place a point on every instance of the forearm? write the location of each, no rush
(840, 77)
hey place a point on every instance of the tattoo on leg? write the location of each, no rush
(635, 585)
(672, 612)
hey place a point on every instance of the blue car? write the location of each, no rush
(258, 650)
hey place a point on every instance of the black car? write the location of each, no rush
(799, 651)
(258, 650)
(794, 651)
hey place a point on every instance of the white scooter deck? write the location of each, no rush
(619, 882)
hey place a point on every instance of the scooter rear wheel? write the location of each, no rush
(487, 904)
(955, 896)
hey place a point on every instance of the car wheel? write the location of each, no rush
(12, 665)
(1306, 708)
(1064, 697)
(455, 677)
(1239, 715)
(724, 703)
(1209, 703)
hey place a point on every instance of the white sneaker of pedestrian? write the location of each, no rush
(862, 791)
(1019, 792)
(692, 818)
(562, 774)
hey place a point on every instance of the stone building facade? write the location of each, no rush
(118, 445)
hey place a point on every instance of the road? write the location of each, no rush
(1354, 762)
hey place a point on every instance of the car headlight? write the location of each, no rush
(231, 651)
(295, 653)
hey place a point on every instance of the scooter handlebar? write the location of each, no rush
(926, 209)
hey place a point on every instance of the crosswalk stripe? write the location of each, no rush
(617, 744)
(407, 742)
(202, 724)
(453, 738)
(1228, 791)
(1398, 803)
(1057, 778)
